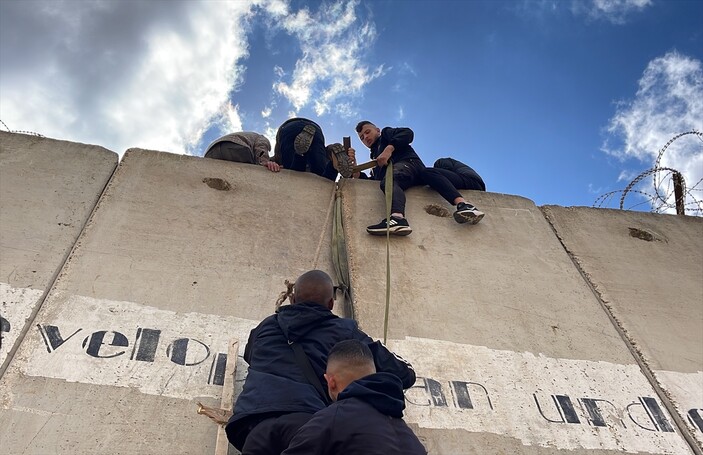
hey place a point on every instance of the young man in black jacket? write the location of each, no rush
(367, 416)
(277, 398)
(408, 170)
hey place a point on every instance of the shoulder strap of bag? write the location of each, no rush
(304, 364)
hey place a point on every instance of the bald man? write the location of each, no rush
(277, 399)
(367, 416)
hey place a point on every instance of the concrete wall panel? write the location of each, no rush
(181, 255)
(48, 188)
(648, 271)
(506, 336)
(514, 351)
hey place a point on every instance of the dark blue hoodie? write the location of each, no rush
(366, 419)
(275, 383)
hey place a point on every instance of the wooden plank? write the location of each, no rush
(227, 403)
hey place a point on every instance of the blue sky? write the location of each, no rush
(557, 101)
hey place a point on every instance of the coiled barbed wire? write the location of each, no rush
(660, 200)
(31, 133)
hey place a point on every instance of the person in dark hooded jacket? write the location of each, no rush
(277, 399)
(367, 416)
(461, 175)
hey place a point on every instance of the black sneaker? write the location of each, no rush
(467, 213)
(340, 159)
(303, 140)
(397, 226)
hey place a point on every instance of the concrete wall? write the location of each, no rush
(647, 269)
(517, 345)
(514, 348)
(48, 188)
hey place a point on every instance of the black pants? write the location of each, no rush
(468, 179)
(229, 151)
(273, 435)
(316, 157)
(405, 174)
(444, 182)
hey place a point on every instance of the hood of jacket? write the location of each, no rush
(383, 391)
(298, 319)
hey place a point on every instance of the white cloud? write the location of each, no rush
(121, 74)
(331, 68)
(669, 101)
(615, 11)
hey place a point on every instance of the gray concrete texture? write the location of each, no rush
(181, 255)
(505, 294)
(48, 188)
(514, 350)
(648, 271)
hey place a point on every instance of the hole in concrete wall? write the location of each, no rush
(642, 234)
(437, 210)
(217, 184)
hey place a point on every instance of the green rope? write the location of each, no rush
(389, 199)
(340, 260)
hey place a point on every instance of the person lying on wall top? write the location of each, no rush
(300, 146)
(243, 147)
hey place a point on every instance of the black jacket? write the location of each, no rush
(400, 139)
(275, 383)
(366, 419)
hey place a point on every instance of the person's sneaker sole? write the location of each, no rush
(469, 216)
(303, 140)
(398, 230)
(340, 159)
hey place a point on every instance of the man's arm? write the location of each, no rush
(394, 138)
(389, 362)
(262, 147)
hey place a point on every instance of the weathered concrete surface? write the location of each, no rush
(515, 353)
(47, 190)
(510, 343)
(181, 255)
(648, 271)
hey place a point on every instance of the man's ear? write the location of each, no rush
(330, 304)
(331, 383)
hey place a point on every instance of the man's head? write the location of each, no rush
(368, 132)
(314, 286)
(348, 361)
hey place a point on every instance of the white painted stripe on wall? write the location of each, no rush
(16, 305)
(686, 390)
(125, 344)
(539, 400)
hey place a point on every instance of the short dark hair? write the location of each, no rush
(361, 124)
(351, 352)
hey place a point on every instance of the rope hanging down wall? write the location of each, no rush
(669, 186)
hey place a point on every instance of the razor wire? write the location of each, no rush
(663, 185)
(31, 133)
